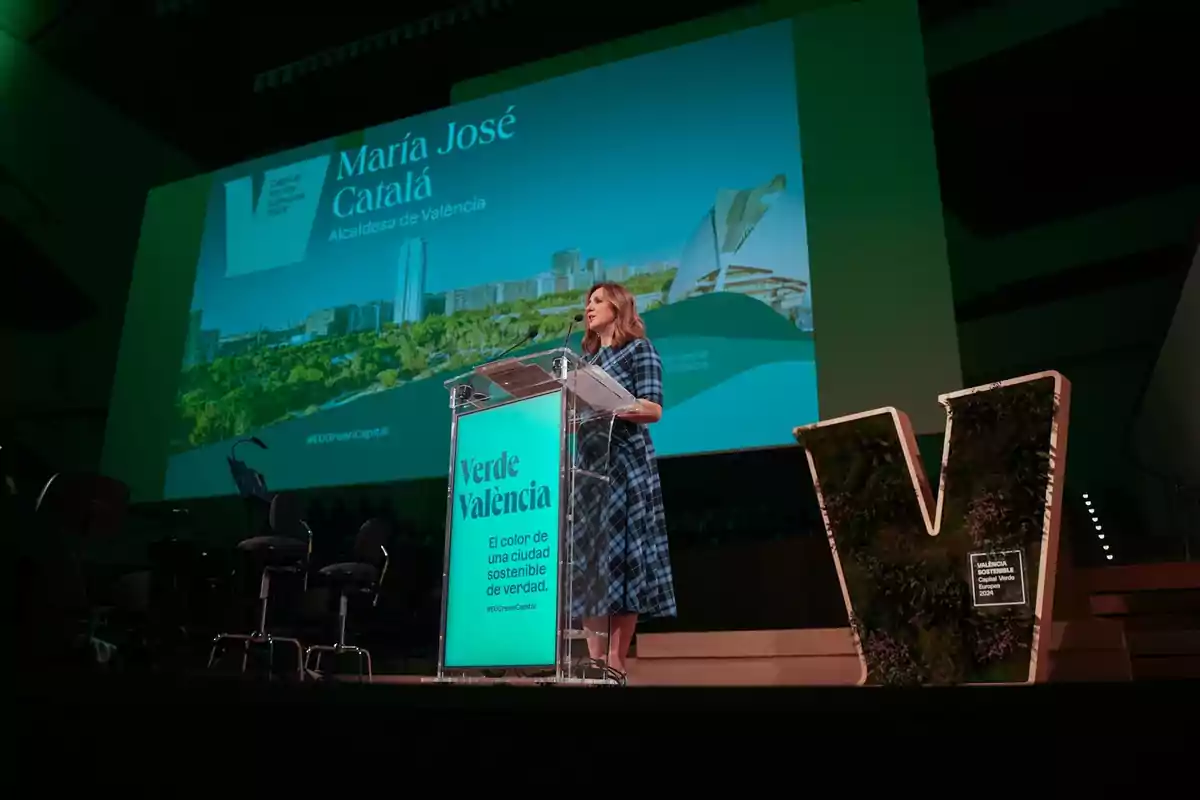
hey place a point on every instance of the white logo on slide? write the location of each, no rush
(271, 227)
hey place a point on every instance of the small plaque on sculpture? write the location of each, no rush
(998, 578)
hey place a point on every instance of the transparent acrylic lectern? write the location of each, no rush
(530, 446)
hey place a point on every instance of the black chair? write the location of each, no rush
(362, 576)
(286, 550)
(84, 504)
(58, 622)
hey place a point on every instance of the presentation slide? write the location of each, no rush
(337, 287)
(767, 192)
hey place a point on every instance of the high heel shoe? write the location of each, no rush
(598, 669)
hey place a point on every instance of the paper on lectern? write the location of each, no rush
(517, 378)
(599, 390)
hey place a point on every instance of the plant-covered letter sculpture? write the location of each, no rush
(957, 588)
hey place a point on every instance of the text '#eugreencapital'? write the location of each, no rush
(482, 497)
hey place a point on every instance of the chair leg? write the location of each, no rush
(264, 597)
(299, 658)
(212, 653)
(246, 639)
(343, 612)
(261, 636)
(340, 646)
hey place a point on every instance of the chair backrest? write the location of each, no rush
(286, 516)
(84, 504)
(371, 541)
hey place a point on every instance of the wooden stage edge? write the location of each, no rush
(1114, 624)
(1089, 650)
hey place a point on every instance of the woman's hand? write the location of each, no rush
(643, 412)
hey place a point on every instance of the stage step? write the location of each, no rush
(1158, 606)
(813, 657)
(1086, 650)
(1089, 650)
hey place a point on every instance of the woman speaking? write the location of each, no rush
(621, 555)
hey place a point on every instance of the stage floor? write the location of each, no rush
(1101, 735)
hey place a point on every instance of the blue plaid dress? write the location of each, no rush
(621, 560)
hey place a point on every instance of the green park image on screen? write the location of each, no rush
(503, 578)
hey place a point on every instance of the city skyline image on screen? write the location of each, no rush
(339, 283)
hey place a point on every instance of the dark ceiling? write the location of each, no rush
(1092, 115)
(1085, 117)
(47, 300)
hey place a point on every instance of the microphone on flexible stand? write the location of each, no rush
(529, 336)
(250, 482)
(560, 363)
(250, 440)
(575, 320)
(464, 393)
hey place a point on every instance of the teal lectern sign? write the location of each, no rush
(502, 577)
